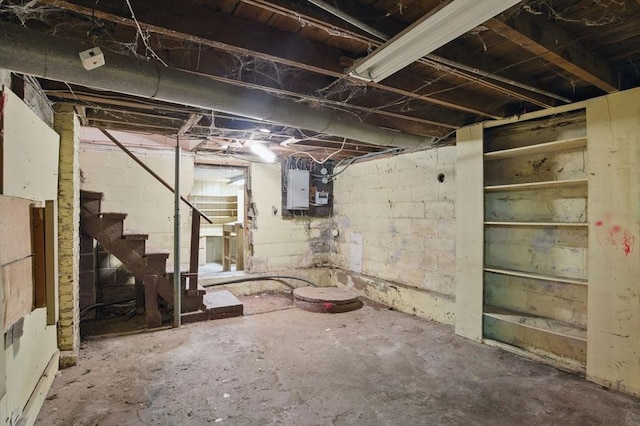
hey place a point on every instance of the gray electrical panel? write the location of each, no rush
(297, 189)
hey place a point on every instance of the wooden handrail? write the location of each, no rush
(154, 174)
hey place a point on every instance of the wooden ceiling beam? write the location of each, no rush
(551, 42)
(96, 100)
(189, 123)
(391, 26)
(204, 26)
(304, 87)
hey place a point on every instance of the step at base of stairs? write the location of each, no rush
(218, 304)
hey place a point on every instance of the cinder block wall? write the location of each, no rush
(113, 282)
(67, 126)
(406, 219)
(283, 244)
(87, 275)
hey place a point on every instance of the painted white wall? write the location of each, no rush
(26, 360)
(613, 335)
(405, 219)
(30, 152)
(128, 188)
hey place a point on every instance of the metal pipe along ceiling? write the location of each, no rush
(42, 55)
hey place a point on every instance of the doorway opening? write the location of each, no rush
(219, 192)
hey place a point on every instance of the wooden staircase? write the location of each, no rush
(150, 267)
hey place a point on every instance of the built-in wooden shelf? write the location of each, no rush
(541, 224)
(537, 185)
(535, 276)
(567, 365)
(541, 148)
(547, 325)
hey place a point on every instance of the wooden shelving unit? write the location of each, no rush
(220, 208)
(534, 276)
(553, 278)
(536, 334)
(536, 185)
(541, 148)
(539, 265)
(542, 224)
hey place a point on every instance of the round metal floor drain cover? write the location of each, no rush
(325, 299)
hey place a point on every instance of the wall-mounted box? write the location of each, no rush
(297, 189)
(322, 198)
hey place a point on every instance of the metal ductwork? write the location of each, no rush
(55, 58)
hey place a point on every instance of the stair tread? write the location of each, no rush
(157, 252)
(112, 215)
(91, 195)
(170, 270)
(135, 236)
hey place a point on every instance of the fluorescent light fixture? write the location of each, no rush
(264, 130)
(442, 25)
(263, 152)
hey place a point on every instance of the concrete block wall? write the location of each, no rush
(405, 217)
(87, 273)
(67, 126)
(128, 188)
(113, 282)
(283, 244)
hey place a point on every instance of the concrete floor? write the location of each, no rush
(291, 367)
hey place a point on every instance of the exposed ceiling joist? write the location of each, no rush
(51, 57)
(295, 52)
(229, 34)
(189, 123)
(558, 47)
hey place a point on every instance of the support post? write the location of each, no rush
(195, 250)
(153, 315)
(176, 241)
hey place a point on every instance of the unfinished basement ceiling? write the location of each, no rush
(537, 54)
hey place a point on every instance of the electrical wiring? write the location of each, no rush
(262, 278)
(101, 305)
(344, 140)
(350, 161)
(144, 36)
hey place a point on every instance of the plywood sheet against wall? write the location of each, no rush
(29, 152)
(15, 258)
(15, 229)
(17, 283)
